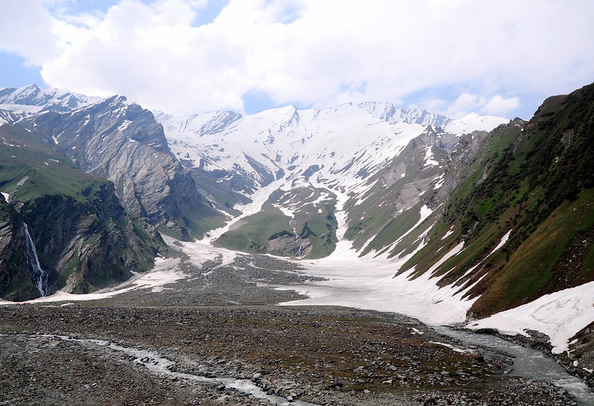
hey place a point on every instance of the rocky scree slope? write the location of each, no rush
(82, 237)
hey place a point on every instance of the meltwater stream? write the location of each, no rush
(528, 363)
(162, 366)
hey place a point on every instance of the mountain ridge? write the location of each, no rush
(395, 178)
(63, 221)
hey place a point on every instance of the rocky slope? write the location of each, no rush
(321, 356)
(61, 228)
(120, 141)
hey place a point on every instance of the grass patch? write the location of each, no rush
(256, 230)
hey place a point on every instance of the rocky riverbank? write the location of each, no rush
(330, 356)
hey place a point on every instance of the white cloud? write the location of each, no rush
(26, 29)
(314, 52)
(464, 104)
(500, 106)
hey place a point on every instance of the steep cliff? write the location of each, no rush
(120, 141)
(68, 224)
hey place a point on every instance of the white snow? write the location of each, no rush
(560, 315)
(23, 180)
(439, 182)
(164, 272)
(429, 158)
(453, 348)
(19, 108)
(473, 122)
(454, 251)
(501, 243)
(450, 232)
(31, 99)
(6, 196)
(345, 141)
(369, 283)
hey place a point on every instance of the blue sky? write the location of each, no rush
(185, 56)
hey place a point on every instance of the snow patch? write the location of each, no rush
(453, 348)
(369, 283)
(559, 315)
(450, 232)
(429, 157)
(474, 122)
(501, 243)
(164, 272)
(454, 251)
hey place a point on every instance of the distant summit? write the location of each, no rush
(32, 99)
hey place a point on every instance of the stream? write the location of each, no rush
(528, 363)
(163, 366)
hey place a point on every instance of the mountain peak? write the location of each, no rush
(32, 99)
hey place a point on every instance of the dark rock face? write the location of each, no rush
(61, 223)
(122, 142)
(14, 275)
(81, 245)
(97, 243)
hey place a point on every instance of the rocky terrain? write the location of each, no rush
(120, 141)
(197, 343)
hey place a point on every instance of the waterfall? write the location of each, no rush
(37, 273)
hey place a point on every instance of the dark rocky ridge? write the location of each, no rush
(84, 238)
(122, 142)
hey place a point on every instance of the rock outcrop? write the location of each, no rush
(120, 141)
(82, 237)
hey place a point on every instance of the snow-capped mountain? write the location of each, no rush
(118, 140)
(297, 159)
(492, 220)
(32, 99)
(291, 140)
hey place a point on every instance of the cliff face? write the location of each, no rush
(80, 236)
(14, 269)
(96, 244)
(122, 142)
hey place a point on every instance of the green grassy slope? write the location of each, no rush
(535, 179)
(310, 233)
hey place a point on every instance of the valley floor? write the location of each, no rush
(318, 355)
(221, 321)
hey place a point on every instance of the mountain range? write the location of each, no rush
(500, 210)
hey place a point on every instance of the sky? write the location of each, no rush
(491, 57)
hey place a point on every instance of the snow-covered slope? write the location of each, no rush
(289, 140)
(339, 155)
(31, 99)
(343, 141)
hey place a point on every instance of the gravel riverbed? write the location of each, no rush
(221, 322)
